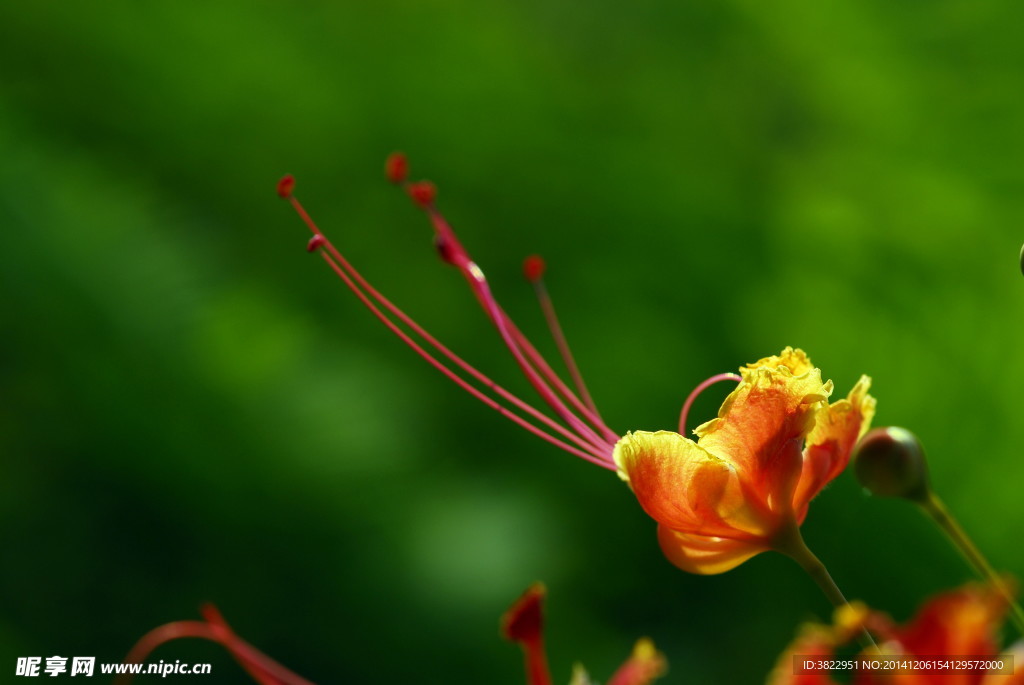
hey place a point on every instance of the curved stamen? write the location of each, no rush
(368, 294)
(697, 391)
(590, 456)
(533, 270)
(505, 326)
(545, 369)
(319, 240)
(452, 252)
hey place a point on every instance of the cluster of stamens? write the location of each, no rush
(578, 428)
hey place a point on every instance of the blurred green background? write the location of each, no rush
(194, 409)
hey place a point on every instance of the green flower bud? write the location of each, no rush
(890, 462)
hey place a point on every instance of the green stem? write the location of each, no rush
(936, 509)
(791, 543)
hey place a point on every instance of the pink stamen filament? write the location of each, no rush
(590, 455)
(551, 317)
(595, 452)
(423, 194)
(517, 343)
(697, 391)
(319, 240)
(611, 436)
(504, 324)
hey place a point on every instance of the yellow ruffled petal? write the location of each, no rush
(705, 555)
(682, 486)
(836, 431)
(847, 419)
(762, 424)
(796, 360)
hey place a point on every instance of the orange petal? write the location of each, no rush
(761, 425)
(829, 444)
(683, 487)
(705, 555)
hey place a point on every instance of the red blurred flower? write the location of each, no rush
(962, 624)
(524, 623)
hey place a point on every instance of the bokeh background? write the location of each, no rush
(194, 409)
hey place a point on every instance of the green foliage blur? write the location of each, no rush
(194, 409)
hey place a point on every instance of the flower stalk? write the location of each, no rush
(791, 543)
(936, 509)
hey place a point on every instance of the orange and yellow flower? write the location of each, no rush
(751, 474)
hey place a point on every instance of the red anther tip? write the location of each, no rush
(315, 243)
(422, 193)
(533, 268)
(396, 167)
(444, 250)
(524, 620)
(211, 613)
(285, 186)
